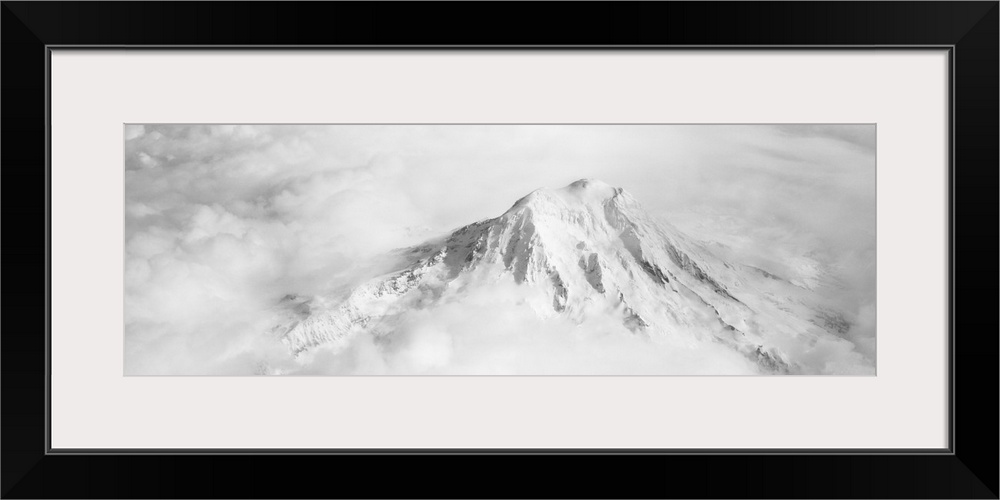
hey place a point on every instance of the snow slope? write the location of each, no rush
(583, 251)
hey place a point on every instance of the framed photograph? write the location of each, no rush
(288, 244)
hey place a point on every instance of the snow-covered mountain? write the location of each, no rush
(583, 250)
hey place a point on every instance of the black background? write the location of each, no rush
(972, 472)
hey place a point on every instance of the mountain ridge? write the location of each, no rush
(587, 248)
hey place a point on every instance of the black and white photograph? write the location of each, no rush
(672, 236)
(485, 250)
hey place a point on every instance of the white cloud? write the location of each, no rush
(134, 131)
(223, 220)
(452, 338)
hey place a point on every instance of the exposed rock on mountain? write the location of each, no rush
(585, 249)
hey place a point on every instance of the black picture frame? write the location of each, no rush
(967, 469)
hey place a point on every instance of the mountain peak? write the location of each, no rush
(585, 250)
(587, 192)
(589, 184)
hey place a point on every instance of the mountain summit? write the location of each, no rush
(582, 251)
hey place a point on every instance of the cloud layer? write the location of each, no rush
(221, 221)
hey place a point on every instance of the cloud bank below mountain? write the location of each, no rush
(221, 221)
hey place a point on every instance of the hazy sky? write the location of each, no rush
(221, 221)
